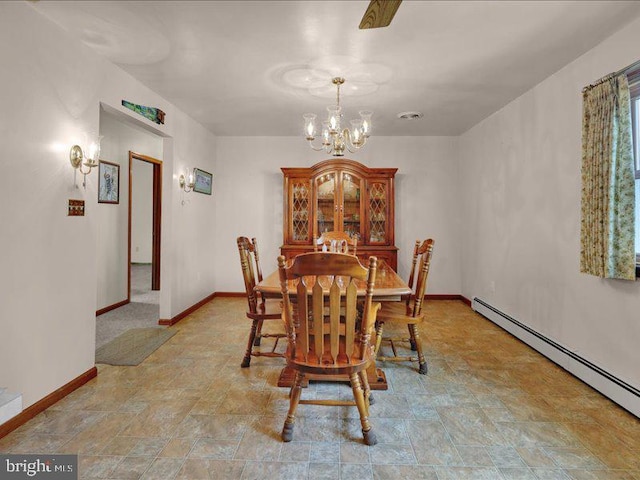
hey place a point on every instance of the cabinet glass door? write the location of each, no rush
(378, 232)
(327, 207)
(300, 203)
(351, 210)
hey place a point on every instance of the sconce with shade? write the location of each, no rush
(87, 158)
(187, 183)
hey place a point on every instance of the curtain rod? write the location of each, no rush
(633, 66)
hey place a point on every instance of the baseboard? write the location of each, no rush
(612, 387)
(441, 296)
(447, 296)
(231, 294)
(111, 307)
(41, 405)
(191, 309)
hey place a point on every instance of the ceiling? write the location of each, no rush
(252, 68)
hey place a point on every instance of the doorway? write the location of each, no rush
(118, 306)
(145, 208)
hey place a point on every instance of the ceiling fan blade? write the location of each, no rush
(379, 13)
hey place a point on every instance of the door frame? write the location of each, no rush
(156, 221)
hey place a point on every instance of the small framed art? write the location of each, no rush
(108, 182)
(203, 181)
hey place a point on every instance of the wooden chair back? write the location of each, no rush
(325, 331)
(338, 242)
(422, 252)
(251, 272)
(260, 307)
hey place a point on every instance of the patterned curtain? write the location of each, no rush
(607, 240)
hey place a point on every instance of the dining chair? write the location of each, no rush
(335, 242)
(260, 308)
(327, 336)
(408, 311)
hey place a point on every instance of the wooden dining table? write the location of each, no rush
(388, 286)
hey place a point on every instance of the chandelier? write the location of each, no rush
(334, 139)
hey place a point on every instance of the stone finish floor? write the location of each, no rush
(489, 408)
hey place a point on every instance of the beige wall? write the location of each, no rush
(521, 237)
(53, 87)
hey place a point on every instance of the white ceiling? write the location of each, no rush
(254, 67)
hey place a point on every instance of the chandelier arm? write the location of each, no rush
(349, 143)
(317, 149)
(346, 134)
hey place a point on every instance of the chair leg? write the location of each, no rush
(413, 329)
(296, 390)
(358, 395)
(256, 341)
(369, 400)
(246, 361)
(379, 328)
(412, 340)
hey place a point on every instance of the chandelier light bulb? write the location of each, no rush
(357, 137)
(326, 135)
(366, 122)
(310, 125)
(334, 118)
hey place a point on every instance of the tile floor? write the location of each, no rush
(489, 408)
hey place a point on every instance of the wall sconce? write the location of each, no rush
(187, 183)
(90, 155)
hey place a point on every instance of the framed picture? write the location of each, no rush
(108, 182)
(203, 181)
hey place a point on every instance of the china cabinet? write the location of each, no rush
(340, 195)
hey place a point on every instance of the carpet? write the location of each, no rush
(132, 315)
(133, 346)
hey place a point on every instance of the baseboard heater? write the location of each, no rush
(619, 391)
